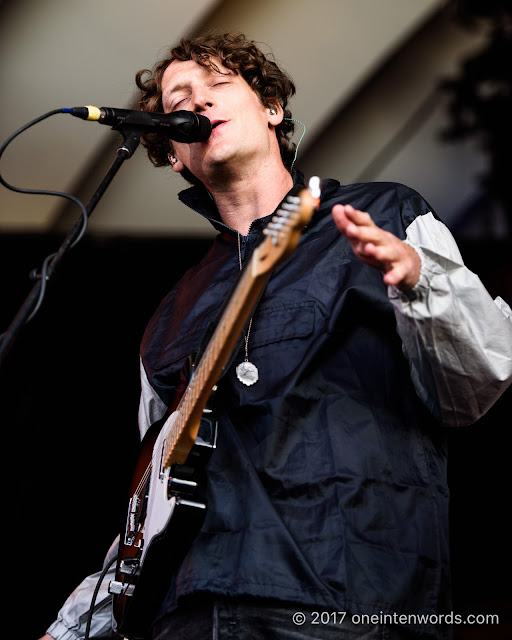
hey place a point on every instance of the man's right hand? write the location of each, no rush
(47, 636)
(380, 249)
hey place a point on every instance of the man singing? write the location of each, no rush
(327, 491)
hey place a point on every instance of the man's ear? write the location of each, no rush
(275, 114)
(176, 164)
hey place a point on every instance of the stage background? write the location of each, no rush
(372, 92)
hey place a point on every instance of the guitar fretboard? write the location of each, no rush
(213, 361)
(283, 233)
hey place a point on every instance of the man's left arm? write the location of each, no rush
(458, 340)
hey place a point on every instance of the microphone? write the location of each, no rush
(180, 126)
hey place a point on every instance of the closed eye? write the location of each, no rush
(177, 104)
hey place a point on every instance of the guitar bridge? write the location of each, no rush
(132, 531)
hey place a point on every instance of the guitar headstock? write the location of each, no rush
(284, 230)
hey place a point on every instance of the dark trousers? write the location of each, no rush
(223, 618)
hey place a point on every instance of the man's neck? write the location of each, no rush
(242, 200)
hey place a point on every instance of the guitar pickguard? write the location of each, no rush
(164, 515)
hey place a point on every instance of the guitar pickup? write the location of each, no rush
(129, 566)
(120, 589)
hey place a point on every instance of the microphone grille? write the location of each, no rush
(205, 129)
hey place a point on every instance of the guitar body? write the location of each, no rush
(166, 510)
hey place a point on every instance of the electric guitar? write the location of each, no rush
(167, 503)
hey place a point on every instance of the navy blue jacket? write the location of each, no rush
(328, 485)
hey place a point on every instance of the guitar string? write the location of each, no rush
(198, 381)
(178, 425)
(179, 421)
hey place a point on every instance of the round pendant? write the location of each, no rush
(247, 373)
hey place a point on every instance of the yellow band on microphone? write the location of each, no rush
(94, 113)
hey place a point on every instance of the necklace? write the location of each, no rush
(246, 371)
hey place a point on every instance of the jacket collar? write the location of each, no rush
(199, 199)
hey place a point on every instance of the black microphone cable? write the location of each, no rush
(182, 126)
(90, 613)
(43, 273)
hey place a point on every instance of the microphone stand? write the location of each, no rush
(131, 129)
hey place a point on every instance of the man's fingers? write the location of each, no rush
(396, 275)
(361, 218)
(387, 252)
(358, 225)
(378, 248)
(404, 273)
(345, 214)
(367, 234)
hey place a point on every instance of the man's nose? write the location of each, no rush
(202, 100)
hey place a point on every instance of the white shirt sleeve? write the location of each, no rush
(72, 618)
(151, 407)
(457, 339)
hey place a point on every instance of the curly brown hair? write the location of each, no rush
(235, 52)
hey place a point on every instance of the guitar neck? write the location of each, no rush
(215, 357)
(282, 236)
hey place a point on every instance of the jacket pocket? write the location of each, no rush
(282, 322)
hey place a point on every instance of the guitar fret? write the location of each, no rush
(204, 372)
